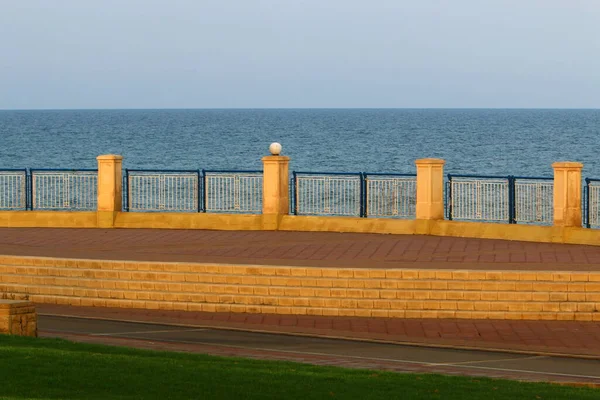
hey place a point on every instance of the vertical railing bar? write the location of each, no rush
(29, 188)
(363, 194)
(450, 200)
(33, 190)
(200, 191)
(296, 191)
(511, 200)
(205, 181)
(587, 202)
(127, 190)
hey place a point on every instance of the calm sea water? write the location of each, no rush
(472, 141)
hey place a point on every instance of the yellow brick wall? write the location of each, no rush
(402, 293)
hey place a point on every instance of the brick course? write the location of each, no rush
(410, 293)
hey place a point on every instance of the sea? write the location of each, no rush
(521, 142)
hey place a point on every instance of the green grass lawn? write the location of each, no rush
(51, 369)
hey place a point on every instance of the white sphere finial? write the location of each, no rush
(275, 148)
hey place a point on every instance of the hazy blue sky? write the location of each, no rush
(299, 53)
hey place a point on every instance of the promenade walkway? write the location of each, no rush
(333, 250)
(309, 249)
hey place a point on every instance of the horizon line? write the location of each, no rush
(297, 108)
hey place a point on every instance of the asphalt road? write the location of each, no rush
(346, 353)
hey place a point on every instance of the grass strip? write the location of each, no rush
(54, 368)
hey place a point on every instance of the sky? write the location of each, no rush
(78, 54)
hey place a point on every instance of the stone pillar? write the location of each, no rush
(430, 188)
(109, 189)
(276, 193)
(567, 193)
(18, 317)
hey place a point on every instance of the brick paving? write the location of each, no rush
(318, 249)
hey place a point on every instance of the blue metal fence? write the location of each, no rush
(591, 203)
(328, 193)
(63, 189)
(390, 195)
(13, 189)
(479, 198)
(226, 191)
(533, 200)
(232, 191)
(512, 199)
(524, 200)
(162, 190)
(356, 194)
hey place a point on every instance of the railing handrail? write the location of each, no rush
(366, 174)
(533, 178)
(230, 171)
(589, 180)
(450, 176)
(328, 173)
(354, 173)
(13, 170)
(166, 171)
(32, 170)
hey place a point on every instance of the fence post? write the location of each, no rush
(110, 188)
(567, 193)
(363, 195)
(125, 187)
(449, 196)
(295, 192)
(430, 188)
(587, 203)
(276, 193)
(28, 191)
(512, 200)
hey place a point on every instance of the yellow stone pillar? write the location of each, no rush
(109, 189)
(276, 194)
(567, 193)
(430, 188)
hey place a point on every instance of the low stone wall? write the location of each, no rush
(125, 220)
(48, 219)
(393, 293)
(18, 317)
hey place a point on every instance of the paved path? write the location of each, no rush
(297, 248)
(344, 353)
(581, 339)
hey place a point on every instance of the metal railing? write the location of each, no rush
(328, 193)
(61, 189)
(13, 189)
(479, 198)
(533, 200)
(592, 203)
(391, 195)
(522, 200)
(162, 190)
(233, 191)
(525, 200)
(354, 194)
